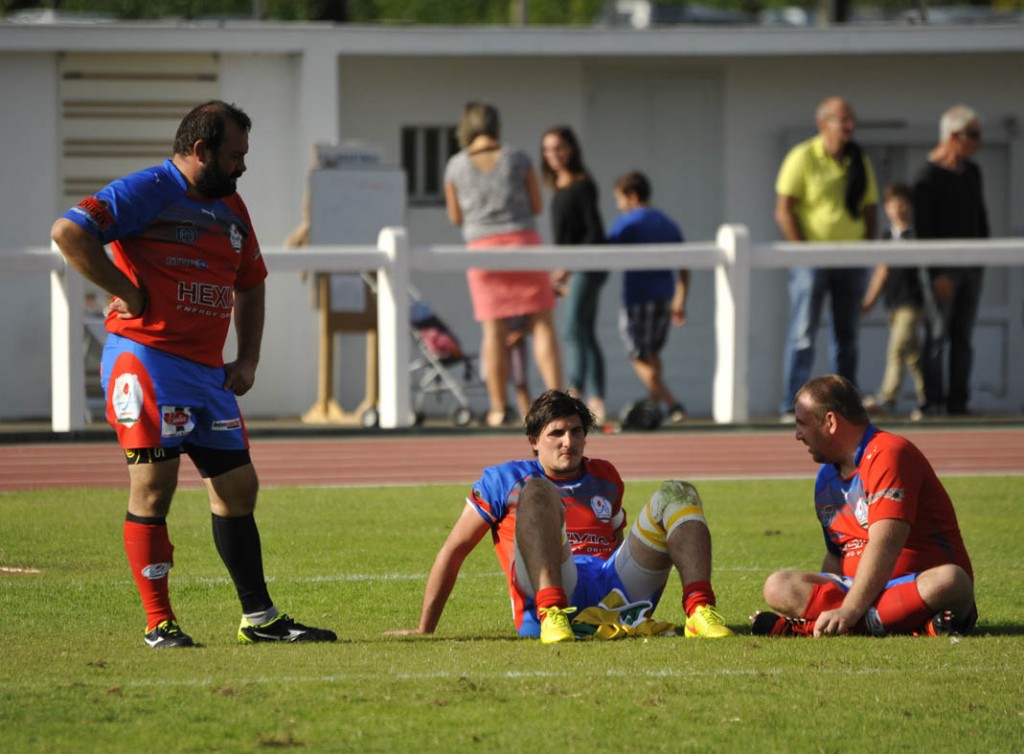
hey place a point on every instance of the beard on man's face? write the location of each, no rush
(215, 184)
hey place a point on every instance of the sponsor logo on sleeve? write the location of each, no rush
(176, 420)
(98, 212)
(227, 425)
(127, 399)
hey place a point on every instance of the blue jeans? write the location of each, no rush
(808, 287)
(584, 357)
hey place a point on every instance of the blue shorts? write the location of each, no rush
(595, 580)
(845, 582)
(159, 400)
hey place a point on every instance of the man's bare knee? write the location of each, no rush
(539, 492)
(946, 587)
(151, 488)
(787, 592)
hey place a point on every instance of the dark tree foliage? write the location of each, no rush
(453, 12)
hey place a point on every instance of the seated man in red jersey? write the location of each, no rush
(895, 562)
(557, 524)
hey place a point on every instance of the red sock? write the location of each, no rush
(901, 609)
(150, 556)
(824, 597)
(551, 596)
(697, 594)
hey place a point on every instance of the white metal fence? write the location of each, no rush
(732, 256)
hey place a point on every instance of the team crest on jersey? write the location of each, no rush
(826, 514)
(187, 232)
(235, 237)
(601, 506)
(860, 510)
(176, 420)
(127, 399)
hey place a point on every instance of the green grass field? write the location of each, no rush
(75, 675)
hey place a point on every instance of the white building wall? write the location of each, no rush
(303, 85)
(29, 189)
(267, 88)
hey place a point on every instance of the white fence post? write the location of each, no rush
(67, 378)
(393, 329)
(731, 399)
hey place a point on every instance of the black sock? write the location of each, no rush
(238, 542)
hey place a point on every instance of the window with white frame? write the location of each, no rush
(425, 151)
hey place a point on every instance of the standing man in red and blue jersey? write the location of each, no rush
(557, 524)
(895, 561)
(185, 260)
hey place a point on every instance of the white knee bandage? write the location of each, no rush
(674, 503)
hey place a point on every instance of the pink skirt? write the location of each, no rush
(497, 294)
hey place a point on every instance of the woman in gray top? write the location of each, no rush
(491, 192)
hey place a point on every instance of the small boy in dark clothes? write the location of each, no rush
(902, 292)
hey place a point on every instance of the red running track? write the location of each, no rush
(459, 459)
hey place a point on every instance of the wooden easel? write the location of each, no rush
(326, 410)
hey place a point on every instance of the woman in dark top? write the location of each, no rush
(575, 219)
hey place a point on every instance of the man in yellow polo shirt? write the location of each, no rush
(825, 191)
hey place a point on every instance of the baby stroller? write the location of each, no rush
(442, 368)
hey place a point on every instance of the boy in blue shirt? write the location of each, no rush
(650, 298)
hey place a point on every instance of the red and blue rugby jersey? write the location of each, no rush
(189, 255)
(892, 480)
(594, 516)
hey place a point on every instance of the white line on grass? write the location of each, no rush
(574, 676)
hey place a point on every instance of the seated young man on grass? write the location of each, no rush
(557, 524)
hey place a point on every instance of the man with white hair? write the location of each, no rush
(948, 203)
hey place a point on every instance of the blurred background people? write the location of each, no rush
(651, 299)
(901, 289)
(575, 219)
(948, 203)
(825, 191)
(492, 193)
